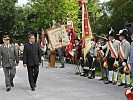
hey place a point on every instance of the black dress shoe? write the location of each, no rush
(110, 82)
(115, 82)
(77, 73)
(121, 84)
(35, 85)
(101, 79)
(127, 86)
(32, 89)
(12, 84)
(8, 89)
(91, 77)
(106, 82)
(62, 67)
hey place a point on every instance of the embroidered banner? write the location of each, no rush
(58, 37)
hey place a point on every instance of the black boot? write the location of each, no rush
(83, 73)
(92, 75)
(8, 88)
(86, 73)
(84, 70)
(62, 66)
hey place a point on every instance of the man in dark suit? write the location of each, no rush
(10, 59)
(32, 60)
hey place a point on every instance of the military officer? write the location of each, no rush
(10, 59)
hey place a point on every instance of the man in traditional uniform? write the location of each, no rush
(10, 59)
(112, 57)
(78, 56)
(92, 64)
(100, 57)
(124, 51)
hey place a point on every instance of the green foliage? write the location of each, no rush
(7, 16)
(48, 10)
(115, 13)
(18, 22)
(7, 12)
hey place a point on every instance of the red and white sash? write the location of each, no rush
(102, 55)
(112, 49)
(122, 55)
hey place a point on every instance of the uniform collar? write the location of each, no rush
(113, 40)
(7, 45)
(123, 40)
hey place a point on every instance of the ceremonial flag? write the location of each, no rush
(80, 2)
(87, 34)
(43, 37)
(58, 37)
(37, 37)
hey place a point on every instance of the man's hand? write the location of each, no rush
(97, 49)
(73, 50)
(117, 63)
(25, 65)
(94, 59)
(104, 58)
(124, 64)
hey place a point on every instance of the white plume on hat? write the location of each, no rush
(111, 31)
(120, 31)
(123, 32)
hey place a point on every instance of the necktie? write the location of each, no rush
(6, 45)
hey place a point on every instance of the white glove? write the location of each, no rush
(94, 59)
(117, 63)
(73, 49)
(123, 64)
(97, 49)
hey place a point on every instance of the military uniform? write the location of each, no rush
(78, 59)
(125, 45)
(92, 64)
(111, 59)
(100, 60)
(9, 58)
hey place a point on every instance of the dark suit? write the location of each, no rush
(32, 57)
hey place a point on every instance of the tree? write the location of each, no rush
(7, 15)
(115, 13)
